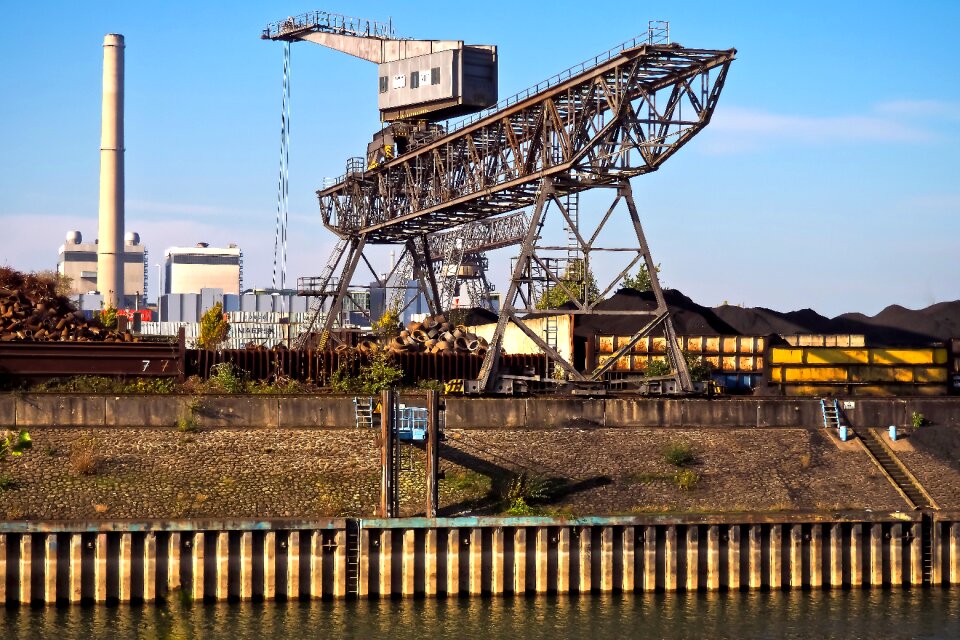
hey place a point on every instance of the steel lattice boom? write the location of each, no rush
(620, 118)
(597, 125)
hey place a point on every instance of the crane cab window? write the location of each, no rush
(383, 84)
(435, 75)
(415, 80)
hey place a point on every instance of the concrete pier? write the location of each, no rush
(249, 560)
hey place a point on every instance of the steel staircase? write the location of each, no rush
(898, 475)
(894, 469)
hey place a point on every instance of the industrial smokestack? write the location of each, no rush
(110, 246)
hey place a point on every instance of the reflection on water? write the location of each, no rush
(828, 614)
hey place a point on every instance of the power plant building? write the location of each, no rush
(190, 269)
(78, 261)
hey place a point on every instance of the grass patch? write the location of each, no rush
(679, 454)
(521, 493)
(469, 483)
(645, 477)
(7, 482)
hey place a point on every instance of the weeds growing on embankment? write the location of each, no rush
(225, 379)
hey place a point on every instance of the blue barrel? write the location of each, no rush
(893, 432)
(844, 434)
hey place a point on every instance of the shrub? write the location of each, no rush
(918, 420)
(686, 479)
(226, 378)
(14, 443)
(525, 488)
(431, 385)
(213, 328)
(342, 382)
(700, 370)
(187, 424)
(679, 454)
(657, 368)
(379, 374)
(519, 507)
(108, 317)
(388, 326)
(84, 460)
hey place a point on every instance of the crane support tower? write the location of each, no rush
(594, 126)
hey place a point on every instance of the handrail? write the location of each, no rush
(654, 36)
(650, 38)
(331, 23)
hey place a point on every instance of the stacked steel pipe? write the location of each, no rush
(433, 335)
(30, 311)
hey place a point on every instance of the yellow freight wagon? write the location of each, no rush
(798, 370)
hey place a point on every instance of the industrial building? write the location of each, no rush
(190, 269)
(78, 261)
(262, 317)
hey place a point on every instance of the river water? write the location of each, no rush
(915, 613)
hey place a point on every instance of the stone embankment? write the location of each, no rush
(80, 473)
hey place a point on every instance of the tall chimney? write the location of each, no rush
(110, 245)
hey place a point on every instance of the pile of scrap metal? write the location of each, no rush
(31, 311)
(433, 335)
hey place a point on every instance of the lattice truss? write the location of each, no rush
(619, 119)
(545, 268)
(599, 126)
(452, 251)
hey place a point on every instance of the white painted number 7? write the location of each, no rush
(146, 363)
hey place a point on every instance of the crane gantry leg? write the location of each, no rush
(536, 277)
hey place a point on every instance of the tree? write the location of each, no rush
(576, 282)
(108, 317)
(213, 328)
(60, 284)
(388, 326)
(641, 281)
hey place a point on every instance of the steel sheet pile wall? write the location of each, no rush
(318, 366)
(60, 563)
(858, 371)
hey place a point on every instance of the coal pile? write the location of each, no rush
(895, 325)
(688, 317)
(32, 311)
(760, 321)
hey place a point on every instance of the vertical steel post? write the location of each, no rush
(386, 454)
(433, 452)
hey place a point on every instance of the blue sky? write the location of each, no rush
(828, 178)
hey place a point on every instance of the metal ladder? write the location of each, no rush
(572, 206)
(363, 412)
(830, 408)
(353, 557)
(926, 558)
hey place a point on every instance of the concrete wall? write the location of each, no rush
(143, 562)
(43, 409)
